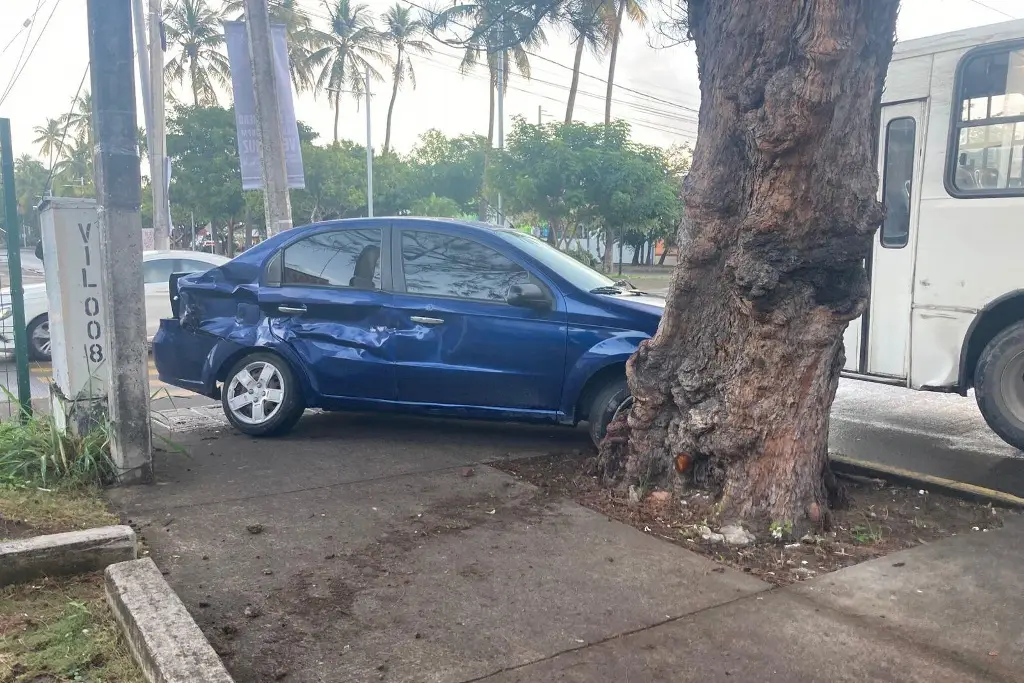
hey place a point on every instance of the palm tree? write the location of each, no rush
(302, 37)
(588, 23)
(404, 33)
(79, 119)
(75, 169)
(50, 138)
(635, 10)
(196, 29)
(348, 46)
(502, 33)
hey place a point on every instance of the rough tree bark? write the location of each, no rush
(735, 387)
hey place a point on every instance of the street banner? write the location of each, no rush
(237, 40)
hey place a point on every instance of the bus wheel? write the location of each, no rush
(999, 384)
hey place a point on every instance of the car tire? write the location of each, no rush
(277, 412)
(36, 350)
(604, 406)
(999, 384)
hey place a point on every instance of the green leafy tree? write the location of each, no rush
(335, 183)
(349, 48)
(194, 28)
(405, 33)
(30, 178)
(450, 167)
(207, 184)
(439, 207)
(79, 118)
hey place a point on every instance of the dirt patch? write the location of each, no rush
(880, 519)
(15, 529)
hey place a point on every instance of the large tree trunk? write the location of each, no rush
(611, 62)
(574, 86)
(736, 385)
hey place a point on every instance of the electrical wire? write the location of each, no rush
(979, 3)
(17, 74)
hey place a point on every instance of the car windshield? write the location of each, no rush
(578, 275)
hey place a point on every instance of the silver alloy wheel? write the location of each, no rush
(255, 394)
(41, 339)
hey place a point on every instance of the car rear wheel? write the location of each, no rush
(999, 384)
(604, 407)
(261, 396)
(38, 334)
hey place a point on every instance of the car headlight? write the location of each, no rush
(5, 313)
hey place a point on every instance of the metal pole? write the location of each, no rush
(369, 151)
(276, 201)
(119, 196)
(501, 117)
(14, 265)
(539, 121)
(192, 217)
(158, 140)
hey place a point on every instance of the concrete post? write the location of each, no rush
(78, 306)
(276, 201)
(119, 191)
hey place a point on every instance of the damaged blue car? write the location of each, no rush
(417, 315)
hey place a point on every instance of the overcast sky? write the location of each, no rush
(661, 105)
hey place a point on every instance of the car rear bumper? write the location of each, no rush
(182, 358)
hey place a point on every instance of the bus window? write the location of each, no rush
(897, 179)
(987, 158)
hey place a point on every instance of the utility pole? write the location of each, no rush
(276, 201)
(369, 151)
(158, 138)
(540, 114)
(9, 201)
(118, 192)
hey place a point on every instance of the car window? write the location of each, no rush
(344, 258)
(186, 265)
(158, 270)
(577, 274)
(442, 265)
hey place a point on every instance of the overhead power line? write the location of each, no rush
(21, 69)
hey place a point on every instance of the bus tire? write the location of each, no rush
(999, 384)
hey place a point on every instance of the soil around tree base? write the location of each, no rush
(879, 519)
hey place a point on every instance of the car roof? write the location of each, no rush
(182, 253)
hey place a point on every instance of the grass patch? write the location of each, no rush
(28, 511)
(61, 630)
(35, 452)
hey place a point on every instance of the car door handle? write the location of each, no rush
(292, 309)
(426, 321)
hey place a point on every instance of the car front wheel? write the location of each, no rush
(261, 396)
(38, 334)
(604, 407)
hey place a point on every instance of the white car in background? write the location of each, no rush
(157, 267)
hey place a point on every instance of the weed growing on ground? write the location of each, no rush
(35, 452)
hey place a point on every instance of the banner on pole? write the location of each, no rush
(237, 40)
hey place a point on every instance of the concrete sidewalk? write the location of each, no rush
(386, 551)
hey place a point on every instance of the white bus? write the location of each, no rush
(946, 311)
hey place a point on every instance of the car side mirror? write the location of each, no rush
(527, 295)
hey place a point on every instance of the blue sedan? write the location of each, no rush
(417, 315)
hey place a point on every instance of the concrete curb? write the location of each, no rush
(74, 552)
(959, 489)
(164, 639)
